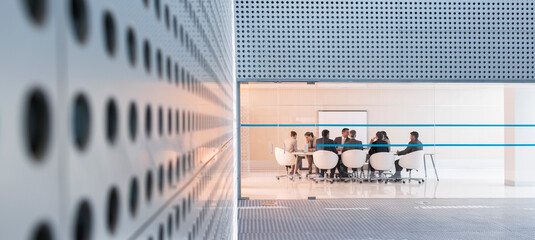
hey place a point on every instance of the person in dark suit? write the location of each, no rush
(385, 138)
(414, 141)
(379, 141)
(373, 150)
(325, 140)
(342, 170)
(342, 139)
(352, 141)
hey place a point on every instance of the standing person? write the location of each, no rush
(340, 141)
(379, 141)
(290, 145)
(414, 141)
(325, 140)
(311, 142)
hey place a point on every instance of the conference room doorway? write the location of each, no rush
(463, 127)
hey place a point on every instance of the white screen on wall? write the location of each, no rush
(344, 117)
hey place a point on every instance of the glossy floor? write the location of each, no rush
(452, 184)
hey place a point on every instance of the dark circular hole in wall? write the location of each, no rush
(132, 121)
(37, 124)
(37, 10)
(82, 121)
(83, 223)
(79, 19)
(113, 210)
(148, 185)
(131, 43)
(112, 121)
(109, 33)
(43, 232)
(134, 196)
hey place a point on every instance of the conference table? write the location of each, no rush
(304, 154)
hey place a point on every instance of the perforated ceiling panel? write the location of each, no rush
(116, 119)
(486, 40)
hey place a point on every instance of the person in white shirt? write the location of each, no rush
(342, 139)
(290, 145)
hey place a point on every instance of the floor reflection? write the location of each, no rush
(452, 184)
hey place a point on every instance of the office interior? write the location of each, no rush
(466, 121)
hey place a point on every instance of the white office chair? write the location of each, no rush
(285, 159)
(325, 160)
(412, 161)
(354, 159)
(382, 161)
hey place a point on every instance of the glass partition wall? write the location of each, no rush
(461, 124)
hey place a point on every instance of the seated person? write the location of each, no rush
(379, 140)
(290, 145)
(325, 140)
(340, 141)
(385, 137)
(352, 141)
(414, 141)
(311, 141)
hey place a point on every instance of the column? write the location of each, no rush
(519, 108)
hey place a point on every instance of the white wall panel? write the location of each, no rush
(30, 179)
(102, 165)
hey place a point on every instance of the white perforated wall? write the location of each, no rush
(406, 40)
(116, 119)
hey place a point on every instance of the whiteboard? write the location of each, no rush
(344, 117)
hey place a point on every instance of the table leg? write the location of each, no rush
(425, 168)
(295, 167)
(369, 171)
(433, 161)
